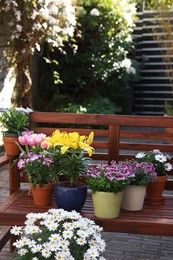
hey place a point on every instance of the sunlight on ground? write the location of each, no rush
(6, 93)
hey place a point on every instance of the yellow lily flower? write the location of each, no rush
(70, 140)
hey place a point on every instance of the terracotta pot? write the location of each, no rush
(154, 191)
(107, 204)
(9, 145)
(42, 196)
(133, 197)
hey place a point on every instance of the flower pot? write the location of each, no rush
(42, 196)
(10, 146)
(133, 197)
(107, 204)
(70, 197)
(154, 191)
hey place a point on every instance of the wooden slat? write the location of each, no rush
(148, 135)
(4, 237)
(146, 147)
(50, 130)
(154, 220)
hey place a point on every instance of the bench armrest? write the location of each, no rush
(4, 160)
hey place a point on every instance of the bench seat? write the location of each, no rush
(151, 220)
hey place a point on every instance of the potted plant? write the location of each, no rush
(58, 234)
(36, 162)
(162, 166)
(13, 122)
(107, 183)
(69, 152)
(134, 193)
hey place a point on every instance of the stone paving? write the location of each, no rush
(119, 246)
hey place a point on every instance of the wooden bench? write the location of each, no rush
(117, 137)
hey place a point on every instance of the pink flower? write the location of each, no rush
(35, 139)
(39, 138)
(23, 140)
(44, 145)
(20, 163)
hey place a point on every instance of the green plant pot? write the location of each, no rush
(107, 204)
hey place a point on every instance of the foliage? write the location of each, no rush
(165, 38)
(102, 64)
(108, 178)
(144, 172)
(168, 109)
(159, 160)
(155, 4)
(28, 25)
(68, 151)
(34, 160)
(58, 234)
(97, 105)
(14, 120)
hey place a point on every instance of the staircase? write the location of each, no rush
(155, 86)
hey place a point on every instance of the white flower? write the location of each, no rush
(22, 251)
(46, 253)
(18, 244)
(55, 238)
(67, 234)
(93, 252)
(82, 233)
(31, 229)
(94, 12)
(168, 166)
(160, 158)
(60, 255)
(64, 243)
(140, 155)
(16, 230)
(53, 226)
(36, 248)
(126, 63)
(81, 241)
(73, 230)
(24, 241)
(131, 70)
(156, 151)
(67, 226)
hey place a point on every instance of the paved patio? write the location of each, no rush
(119, 246)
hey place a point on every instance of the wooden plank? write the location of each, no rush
(155, 220)
(4, 237)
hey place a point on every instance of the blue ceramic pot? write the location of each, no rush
(70, 198)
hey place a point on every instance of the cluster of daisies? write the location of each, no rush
(58, 234)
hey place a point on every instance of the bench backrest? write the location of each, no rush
(116, 137)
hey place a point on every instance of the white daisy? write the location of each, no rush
(15, 230)
(140, 155)
(46, 253)
(67, 234)
(22, 251)
(168, 166)
(55, 238)
(160, 158)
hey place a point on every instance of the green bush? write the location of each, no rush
(100, 62)
(97, 105)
